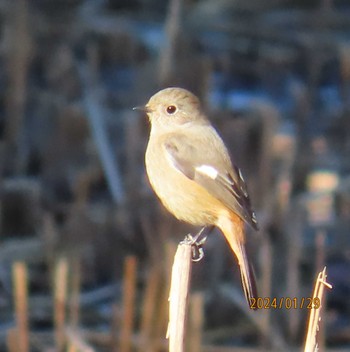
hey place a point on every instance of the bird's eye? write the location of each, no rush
(171, 109)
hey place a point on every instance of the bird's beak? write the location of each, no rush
(144, 108)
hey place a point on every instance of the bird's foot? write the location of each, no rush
(196, 245)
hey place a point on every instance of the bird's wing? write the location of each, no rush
(211, 169)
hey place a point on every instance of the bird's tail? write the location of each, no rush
(233, 229)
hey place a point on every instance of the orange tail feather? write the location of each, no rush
(233, 230)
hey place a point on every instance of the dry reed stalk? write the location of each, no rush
(132, 152)
(311, 344)
(167, 60)
(94, 113)
(320, 242)
(76, 342)
(269, 118)
(114, 337)
(129, 291)
(71, 348)
(49, 236)
(149, 309)
(178, 298)
(60, 301)
(12, 340)
(161, 323)
(74, 300)
(344, 58)
(293, 274)
(20, 279)
(18, 40)
(320, 263)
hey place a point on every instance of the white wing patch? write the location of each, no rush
(208, 170)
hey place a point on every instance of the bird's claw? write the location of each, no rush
(196, 245)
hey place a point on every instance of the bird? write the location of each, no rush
(191, 172)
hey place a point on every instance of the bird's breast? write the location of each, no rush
(184, 198)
